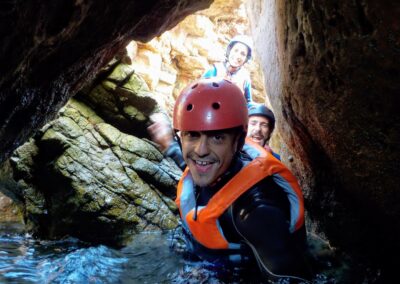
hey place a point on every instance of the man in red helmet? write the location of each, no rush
(237, 208)
(260, 127)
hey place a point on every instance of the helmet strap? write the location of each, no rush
(177, 138)
(241, 141)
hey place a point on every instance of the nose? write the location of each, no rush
(257, 127)
(201, 148)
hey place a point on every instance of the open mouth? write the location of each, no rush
(257, 138)
(203, 166)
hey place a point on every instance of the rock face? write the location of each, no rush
(49, 51)
(11, 203)
(81, 176)
(332, 74)
(183, 54)
(121, 97)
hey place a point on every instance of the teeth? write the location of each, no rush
(202, 163)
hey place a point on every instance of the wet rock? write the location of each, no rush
(11, 201)
(95, 182)
(121, 97)
(10, 212)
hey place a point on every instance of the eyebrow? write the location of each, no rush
(260, 122)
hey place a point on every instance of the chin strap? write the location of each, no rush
(177, 138)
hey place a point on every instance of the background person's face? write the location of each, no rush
(208, 154)
(238, 54)
(258, 129)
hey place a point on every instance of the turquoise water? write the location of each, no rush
(147, 259)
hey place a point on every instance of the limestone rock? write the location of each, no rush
(198, 26)
(122, 97)
(192, 65)
(148, 65)
(94, 178)
(190, 48)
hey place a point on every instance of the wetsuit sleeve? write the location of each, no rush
(247, 91)
(276, 155)
(210, 73)
(261, 218)
(175, 153)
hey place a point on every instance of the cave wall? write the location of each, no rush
(332, 75)
(50, 50)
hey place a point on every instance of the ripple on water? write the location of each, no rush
(98, 264)
(147, 259)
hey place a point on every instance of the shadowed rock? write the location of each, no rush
(333, 79)
(50, 50)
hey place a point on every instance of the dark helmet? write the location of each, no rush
(242, 39)
(210, 104)
(262, 110)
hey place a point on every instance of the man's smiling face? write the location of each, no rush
(208, 154)
(258, 129)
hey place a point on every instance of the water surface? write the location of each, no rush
(149, 258)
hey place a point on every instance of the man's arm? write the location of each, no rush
(175, 153)
(261, 218)
(247, 91)
(162, 133)
(212, 72)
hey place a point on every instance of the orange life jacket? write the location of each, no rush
(205, 227)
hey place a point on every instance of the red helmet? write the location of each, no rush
(210, 104)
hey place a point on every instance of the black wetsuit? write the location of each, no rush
(259, 220)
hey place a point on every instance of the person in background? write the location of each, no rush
(238, 52)
(261, 126)
(236, 211)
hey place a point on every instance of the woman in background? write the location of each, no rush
(238, 52)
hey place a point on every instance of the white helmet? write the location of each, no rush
(246, 40)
